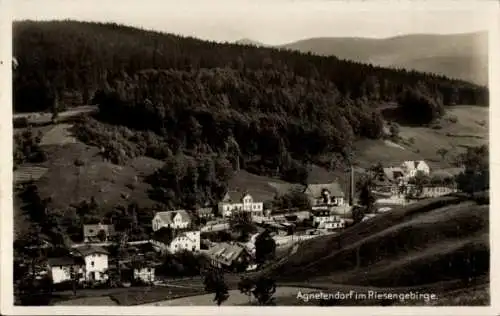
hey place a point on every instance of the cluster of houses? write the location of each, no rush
(397, 181)
(175, 231)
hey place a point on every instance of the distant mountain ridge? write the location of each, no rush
(458, 56)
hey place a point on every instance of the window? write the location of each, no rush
(92, 263)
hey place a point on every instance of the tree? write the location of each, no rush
(475, 177)
(377, 171)
(265, 247)
(295, 199)
(55, 106)
(420, 180)
(214, 283)
(241, 222)
(442, 152)
(264, 290)
(358, 213)
(102, 235)
(246, 286)
(366, 197)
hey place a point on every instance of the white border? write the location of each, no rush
(6, 297)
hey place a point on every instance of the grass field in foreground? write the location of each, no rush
(428, 242)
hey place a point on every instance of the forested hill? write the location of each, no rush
(266, 110)
(77, 58)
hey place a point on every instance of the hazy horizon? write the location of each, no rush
(270, 23)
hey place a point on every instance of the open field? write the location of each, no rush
(60, 134)
(470, 129)
(77, 171)
(29, 172)
(39, 118)
(123, 296)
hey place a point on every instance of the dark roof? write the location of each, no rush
(93, 230)
(393, 172)
(226, 253)
(234, 196)
(63, 261)
(88, 250)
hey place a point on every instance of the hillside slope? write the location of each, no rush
(461, 56)
(434, 241)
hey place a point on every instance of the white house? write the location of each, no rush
(171, 219)
(96, 262)
(235, 201)
(145, 274)
(173, 241)
(340, 223)
(325, 194)
(320, 217)
(410, 168)
(62, 268)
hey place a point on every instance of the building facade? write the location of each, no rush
(235, 201)
(176, 241)
(329, 194)
(96, 263)
(64, 269)
(179, 219)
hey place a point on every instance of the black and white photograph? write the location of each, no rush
(249, 153)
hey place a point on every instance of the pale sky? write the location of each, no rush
(272, 21)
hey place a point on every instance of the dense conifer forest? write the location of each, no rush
(265, 110)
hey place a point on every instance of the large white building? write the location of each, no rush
(165, 240)
(179, 219)
(236, 201)
(327, 219)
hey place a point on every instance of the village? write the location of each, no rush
(228, 236)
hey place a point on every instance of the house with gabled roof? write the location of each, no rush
(229, 256)
(174, 240)
(234, 201)
(97, 233)
(410, 168)
(171, 219)
(96, 262)
(65, 268)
